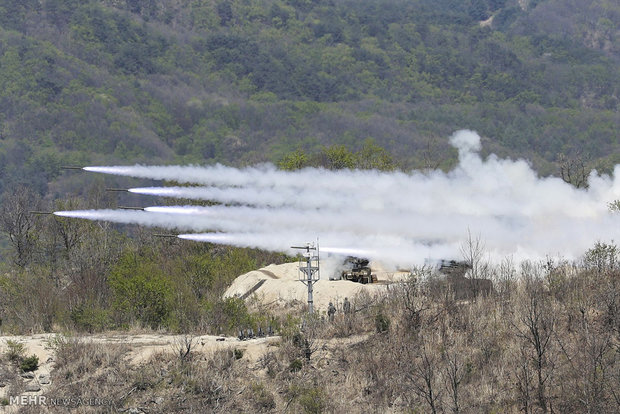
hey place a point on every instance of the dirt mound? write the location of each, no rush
(280, 285)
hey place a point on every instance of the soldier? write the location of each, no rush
(346, 306)
(331, 310)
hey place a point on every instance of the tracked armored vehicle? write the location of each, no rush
(359, 272)
(464, 288)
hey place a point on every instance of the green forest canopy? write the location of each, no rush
(250, 81)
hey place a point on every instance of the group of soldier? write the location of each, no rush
(331, 309)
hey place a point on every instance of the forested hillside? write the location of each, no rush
(247, 81)
(378, 84)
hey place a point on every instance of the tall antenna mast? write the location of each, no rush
(309, 269)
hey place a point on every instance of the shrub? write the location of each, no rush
(141, 289)
(262, 398)
(289, 327)
(295, 365)
(382, 322)
(88, 317)
(229, 315)
(15, 351)
(30, 363)
(313, 400)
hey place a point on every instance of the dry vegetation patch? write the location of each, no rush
(548, 342)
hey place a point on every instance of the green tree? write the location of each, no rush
(294, 161)
(372, 156)
(140, 290)
(337, 157)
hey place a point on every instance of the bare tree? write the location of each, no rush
(597, 354)
(473, 252)
(19, 224)
(535, 326)
(58, 237)
(305, 342)
(70, 231)
(589, 348)
(454, 375)
(505, 281)
(602, 257)
(524, 380)
(431, 155)
(573, 170)
(183, 347)
(425, 379)
(414, 302)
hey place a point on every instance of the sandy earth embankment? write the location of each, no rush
(280, 285)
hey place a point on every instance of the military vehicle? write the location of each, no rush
(359, 271)
(452, 268)
(464, 288)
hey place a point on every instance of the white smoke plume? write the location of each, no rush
(401, 218)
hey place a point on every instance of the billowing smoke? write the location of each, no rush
(396, 217)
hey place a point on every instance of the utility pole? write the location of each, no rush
(309, 269)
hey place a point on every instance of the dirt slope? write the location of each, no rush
(280, 285)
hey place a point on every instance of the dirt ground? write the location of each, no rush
(142, 347)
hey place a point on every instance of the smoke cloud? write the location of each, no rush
(396, 217)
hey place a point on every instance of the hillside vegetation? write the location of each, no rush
(333, 83)
(542, 343)
(245, 81)
(338, 84)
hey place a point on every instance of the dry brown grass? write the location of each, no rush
(546, 343)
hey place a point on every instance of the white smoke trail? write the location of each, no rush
(395, 251)
(169, 221)
(185, 222)
(398, 217)
(270, 197)
(389, 248)
(357, 222)
(477, 187)
(272, 241)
